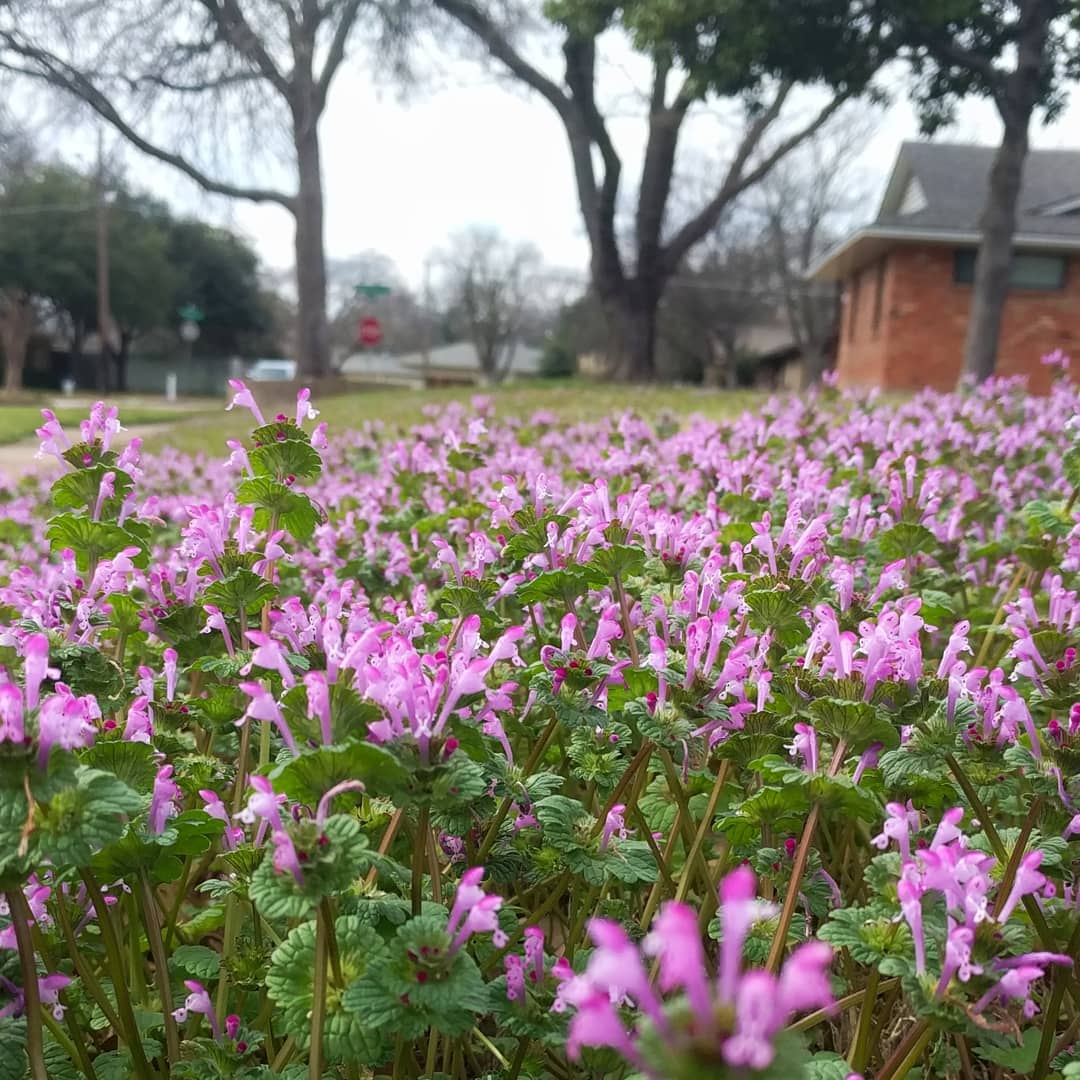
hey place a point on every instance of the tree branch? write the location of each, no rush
(346, 22)
(50, 69)
(238, 32)
(736, 181)
(481, 26)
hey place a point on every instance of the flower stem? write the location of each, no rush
(813, 1019)
(791, 899)
(704, 826)
(628, 630)
(904, 1057)
(859, 1053)
(1017, 854)
(115, 959)
(519, 1059)
(161, 967)
(988, 637)
(419, 857)
(318, 1001)
(35, 1044)
(86, 976)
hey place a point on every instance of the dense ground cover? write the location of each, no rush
(527, 748)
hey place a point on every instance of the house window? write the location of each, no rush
(1042, 272)
(879, 296)
(853, 308)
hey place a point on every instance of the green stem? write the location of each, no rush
(318, 1003)
(136, 973)
(115, 959)
(232, 917)
(519, 1059)
(704, 826)
(419, 857)
(82, 969)
(628, 630)
(161, 967)
(811, 1020)
(859, 1053)
(791, 898)
(181, 892)
(491, 1048)
(984, 648)
(284, 1055)
(1017, 854)
(1053, 1008)
(35, 1043)
(905, 1056)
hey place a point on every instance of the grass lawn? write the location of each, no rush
(570, 399)
(18, 422)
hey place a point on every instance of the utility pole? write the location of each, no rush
(104, 315)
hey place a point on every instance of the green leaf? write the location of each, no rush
(565, 584)
(348, 1036)
(79, 489)
(333, 858)
(13, 1063)
(197, 960)
(242, 590)
(905, 540)
(618, 559)
(464, 460)
(92, 541)
(1070, 466)
(288, 457)
(133, 763)
(83, 818)
(293, 511)
(856, 723)
(1019, 1059)
(308, 777)
(1047, 519)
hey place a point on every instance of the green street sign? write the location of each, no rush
(191, 313)
(372, 292)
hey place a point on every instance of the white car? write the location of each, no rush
(272, 371)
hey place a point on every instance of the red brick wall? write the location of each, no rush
(920, 338)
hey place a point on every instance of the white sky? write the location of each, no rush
(401, 176)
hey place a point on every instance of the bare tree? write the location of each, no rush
(806, 204)
(489, 282)
(168, 76)
(630, 284)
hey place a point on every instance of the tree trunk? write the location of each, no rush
(630, 318)
(312, 337)
(993, 264)
(16, 326)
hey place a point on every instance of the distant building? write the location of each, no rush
(445, 365)
(907, 276)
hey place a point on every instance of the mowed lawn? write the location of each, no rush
(569, 399)
(19, 422)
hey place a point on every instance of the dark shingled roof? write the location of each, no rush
(954, 178)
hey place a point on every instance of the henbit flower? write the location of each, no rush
(868, 760)
(676, 940)
(169, 661)
(139, 725)
(958, 943)
(12, 727)
(198, 1002)
(805, 745)
(304, 408)
(323, 809)
(318, 436)
(35, 650)
(263, 706)
(106, 490)
(245, 399)
(49, 989)
(165, 801)
(66, 720)
(473, 911)
(318, 703)
(739, 910)
(1028, 880)
(614, 825)
(216, 621)
(269, 654)
(898, 825)
(231, 835)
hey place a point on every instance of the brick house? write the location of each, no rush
(906, 277)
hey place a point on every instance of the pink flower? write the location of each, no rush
(473, 911)
(12, 728)
(67, 721)
(139, 726)
(614, 826)
(264, 707)
(304, 409)
(170, 658)
(35, 650)
(165, 801)
(198, 1002)
(245, 399)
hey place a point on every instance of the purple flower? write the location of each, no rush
(473, 911)
(614, 826)
(169, 658)
(67, 721)
(1028, 880)
(216, 809)
(165, 801)
(49, 989)
(898, 825)
(304, 408)
(245, 399)
(676, 940)
(198, 1002)
(139, 726)
(35, 650)
(804, 745)
(868, 760)
(263, 706)
(12, 728)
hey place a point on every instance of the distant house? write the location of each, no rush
(445, 365)
(907, 276)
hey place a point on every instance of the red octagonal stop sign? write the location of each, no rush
(369, 331)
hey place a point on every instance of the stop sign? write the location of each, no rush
(369, 331)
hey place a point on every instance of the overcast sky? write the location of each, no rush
(401, 176)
